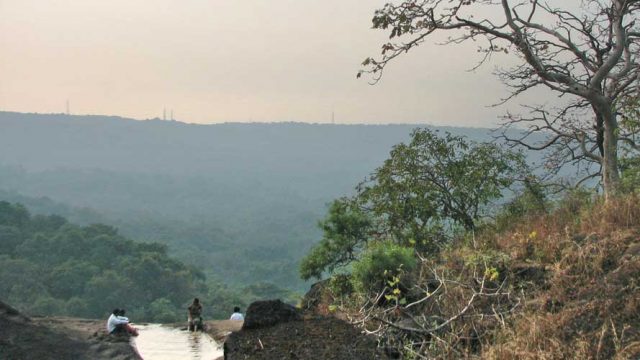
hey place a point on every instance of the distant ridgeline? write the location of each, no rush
(238, 201)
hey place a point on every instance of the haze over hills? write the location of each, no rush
(238, 200)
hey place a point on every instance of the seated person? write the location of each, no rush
(116, 324)
(194, 315)
(237, 315)
(119, 324)
(130, 329)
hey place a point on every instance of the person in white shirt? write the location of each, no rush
(116, 323)
(237, 315)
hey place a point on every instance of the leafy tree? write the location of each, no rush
(69, 278)
(10, 237)
(265, 290)
(14, 215)
(19, 281)
(47, 305)
(530, 200)
(164, 311)
(436, 178)
(77, 306)
(346, 229)
(426, 186)
(584, 51)
(42, 223)
(630, 167)
(109, 290)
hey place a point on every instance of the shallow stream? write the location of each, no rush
(157, 342)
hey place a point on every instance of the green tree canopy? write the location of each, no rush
(424, 188)
(49, 266)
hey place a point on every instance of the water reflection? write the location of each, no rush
(194, 344)
(156, 342)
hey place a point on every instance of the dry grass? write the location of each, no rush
(564, 285)
(589, 306)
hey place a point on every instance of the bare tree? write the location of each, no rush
(586, 51)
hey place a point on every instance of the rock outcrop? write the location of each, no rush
(275, 330)
(268, 313)
(23, 338)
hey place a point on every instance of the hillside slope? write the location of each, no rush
(562, 285)
(237, 200)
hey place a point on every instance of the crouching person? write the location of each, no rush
(194, 316)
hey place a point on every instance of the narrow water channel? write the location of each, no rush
(157, 342)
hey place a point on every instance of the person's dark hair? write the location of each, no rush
(122, 311)
(236, 309)
(196, 301)
(116, 311)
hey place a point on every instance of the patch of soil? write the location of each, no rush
(311, 338)
(55, 338)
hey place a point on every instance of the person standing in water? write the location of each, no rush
(195, 315)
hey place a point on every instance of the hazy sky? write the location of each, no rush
(234, 60)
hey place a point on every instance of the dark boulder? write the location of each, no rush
(268, 313)
(8, 311)
(313, 299)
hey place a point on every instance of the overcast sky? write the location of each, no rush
(234, 60)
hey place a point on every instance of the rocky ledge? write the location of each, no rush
(275, 330)
(55, 338)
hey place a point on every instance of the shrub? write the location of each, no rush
(530, 201)
(380, 263)
(341, 285)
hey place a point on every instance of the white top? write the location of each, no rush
(113, 321)
(237, 316)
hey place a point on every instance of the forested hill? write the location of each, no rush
(49, 266)
(238, 200)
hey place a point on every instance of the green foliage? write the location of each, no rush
(341, 284)
(491, 261)
(531, 200)
(226, 208)
(574, 201)
(425, 190)
(346, 229)
(630, 168)
(51, 267)
(436, 179)
(264, 290)
(165, 311)
(382, 262)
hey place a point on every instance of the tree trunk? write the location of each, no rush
(610, 174)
